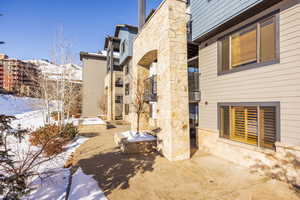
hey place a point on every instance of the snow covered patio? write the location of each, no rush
(136, 176)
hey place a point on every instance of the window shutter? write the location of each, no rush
(252, 125)
(225, 54)
(238, 120)
(225, 122)
(243, 47)
(245, 122)
(268, 127)
(267, 44)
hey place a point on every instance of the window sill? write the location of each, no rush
(248, 67)
(246, 146)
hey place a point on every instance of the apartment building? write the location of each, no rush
(94, 72)
(113, 79)
(126, 33)
(249, 63)
(19, 76)
(227, 77)
(1, 76)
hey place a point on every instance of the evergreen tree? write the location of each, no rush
(12, 185)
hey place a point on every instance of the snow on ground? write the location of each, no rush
(55, 72)
(92, 121)
(84, 187)
(55, 186)
(30, 116)
(133, 136)
(11, 105)
(29, 120)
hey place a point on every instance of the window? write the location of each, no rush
(119, 82)
(127, 86)
(255, 125)
(126, 109)
(255, 43)
(123, 46)
(127, 69)
(119, 99)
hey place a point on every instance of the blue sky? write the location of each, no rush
(29, 26)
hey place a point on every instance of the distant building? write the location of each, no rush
(3, 56)
(113, 79)
(1, 76)
(126, 33)
(18, 76)
(94, 72)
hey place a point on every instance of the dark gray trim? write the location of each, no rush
(275, 104)
(247, 67)
(251, 65)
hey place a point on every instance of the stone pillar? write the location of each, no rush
(173, 85)
(166, 34)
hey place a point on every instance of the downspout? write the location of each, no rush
(111, 77)
(142, 13)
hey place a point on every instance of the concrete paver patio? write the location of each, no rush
(153, 177)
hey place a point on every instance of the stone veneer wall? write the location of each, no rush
(283, 164)
(164, 37)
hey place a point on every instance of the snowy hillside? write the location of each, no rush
(53, 71)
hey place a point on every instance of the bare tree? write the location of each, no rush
(67, 90)
(103, 105)
(138, 99)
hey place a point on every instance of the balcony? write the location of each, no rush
(194, 89)
(150, 93)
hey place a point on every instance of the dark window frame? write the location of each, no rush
(126, 109)
(127, 89)
(275, 104)
(243, 67)
(119, 99)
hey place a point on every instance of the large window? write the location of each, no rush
(255, 125)
(127, 86)
(119, 99)
(126, 109)
(253, 44)
(119, 82)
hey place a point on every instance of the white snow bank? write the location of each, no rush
(29, 120)
(84, 187)
(92, 121)
(53, 187)
(11, 105)
(133, 136)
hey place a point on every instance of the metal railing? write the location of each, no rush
(194, 87)
(150, 93)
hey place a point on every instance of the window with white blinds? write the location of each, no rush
(255, 125)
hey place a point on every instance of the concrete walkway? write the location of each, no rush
(152, 177)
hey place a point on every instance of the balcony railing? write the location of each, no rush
(194, 89)
(150, 93)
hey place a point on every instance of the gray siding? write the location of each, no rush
(94, 72)
(278, 82)
(209, 14)
(127, 37)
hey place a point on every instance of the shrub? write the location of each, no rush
(55, 115)
(48, 138)
(69, 131)
(52, 139)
